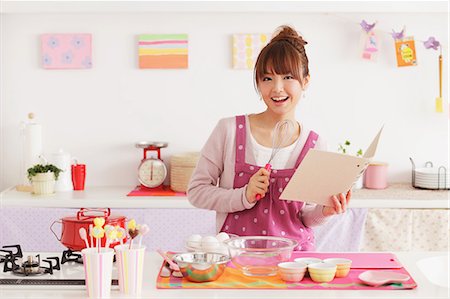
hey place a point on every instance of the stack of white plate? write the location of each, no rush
(430, 178)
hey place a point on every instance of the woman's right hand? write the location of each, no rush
(258, 184)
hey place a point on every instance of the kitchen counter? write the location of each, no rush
(153, 261)
(399, 195)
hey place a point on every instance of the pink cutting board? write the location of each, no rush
(360, 260)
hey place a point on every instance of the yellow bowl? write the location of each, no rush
(322, 272)
(343, 266)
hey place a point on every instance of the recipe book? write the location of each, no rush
(323, 174)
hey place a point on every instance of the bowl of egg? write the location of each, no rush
(211, 244)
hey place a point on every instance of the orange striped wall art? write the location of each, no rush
(163, 51)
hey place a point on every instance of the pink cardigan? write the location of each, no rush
(211, 185)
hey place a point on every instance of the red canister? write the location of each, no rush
(70, 227)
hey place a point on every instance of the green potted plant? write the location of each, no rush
(344, 149)
(43, 178)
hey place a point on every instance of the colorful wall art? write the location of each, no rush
(163, 51)
(246, 48)
(66, 51)
(405, 50)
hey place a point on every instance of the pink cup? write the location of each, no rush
(375, 176)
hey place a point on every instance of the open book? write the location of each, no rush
(323, 174)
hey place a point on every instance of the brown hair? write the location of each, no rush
(284, 54)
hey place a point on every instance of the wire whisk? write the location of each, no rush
(281, 135)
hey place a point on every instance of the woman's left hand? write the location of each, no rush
(340, 202)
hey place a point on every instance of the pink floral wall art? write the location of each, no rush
(66, 51)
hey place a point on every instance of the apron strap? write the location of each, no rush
(241, 133)
(309, 144)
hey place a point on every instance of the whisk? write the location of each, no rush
(281, 135)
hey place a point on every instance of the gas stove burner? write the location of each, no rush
(9, 253)
(71, 256)
(14, 262)
(33, 266)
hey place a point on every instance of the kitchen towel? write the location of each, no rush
(342, 233)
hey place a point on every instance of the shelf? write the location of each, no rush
(222, 6)
(400, 196)
(92, 197)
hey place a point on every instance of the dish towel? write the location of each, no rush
(343, 232)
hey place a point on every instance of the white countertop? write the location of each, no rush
(395, 196)
(425, 288)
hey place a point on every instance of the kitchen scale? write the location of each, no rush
(152, 171)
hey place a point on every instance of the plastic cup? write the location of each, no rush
(78, 176)
(98, 271)
(130, 265)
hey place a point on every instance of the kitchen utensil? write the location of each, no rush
(322, 272)
(343, 265)
(142, 232)
(83, 235)
(258, 255)
(200, 266)
(281, 135)
(78, 176)
(98, 271)
(61, 160)
(70, 227)
(152, 171)
(377, 278)
(375, 176)
(292, 271)
(439, 104)
(130, 265)
(429, 177)
(168, 260)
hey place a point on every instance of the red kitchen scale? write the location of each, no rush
(152, 172)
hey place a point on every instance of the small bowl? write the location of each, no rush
(292, 271)
(343, 266)
(201, 266)
(307, 260)
(322, 272)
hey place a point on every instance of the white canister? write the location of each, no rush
(62, 160)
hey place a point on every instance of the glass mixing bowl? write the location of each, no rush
(258, 255)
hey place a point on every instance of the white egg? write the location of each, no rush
(209, 243)
(222, 236)
(194, 241)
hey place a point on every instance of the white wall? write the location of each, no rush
(99, 114)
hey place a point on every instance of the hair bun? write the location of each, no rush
(288, 34)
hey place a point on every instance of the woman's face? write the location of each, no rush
(281, 93)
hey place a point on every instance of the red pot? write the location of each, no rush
(70, 235)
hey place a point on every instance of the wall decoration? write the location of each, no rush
(246, 48)
(163, 51)
(405, 50)
(66, 51)
(371, 41)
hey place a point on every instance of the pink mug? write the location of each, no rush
(375, 176)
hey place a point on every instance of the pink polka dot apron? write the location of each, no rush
(270, 216)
